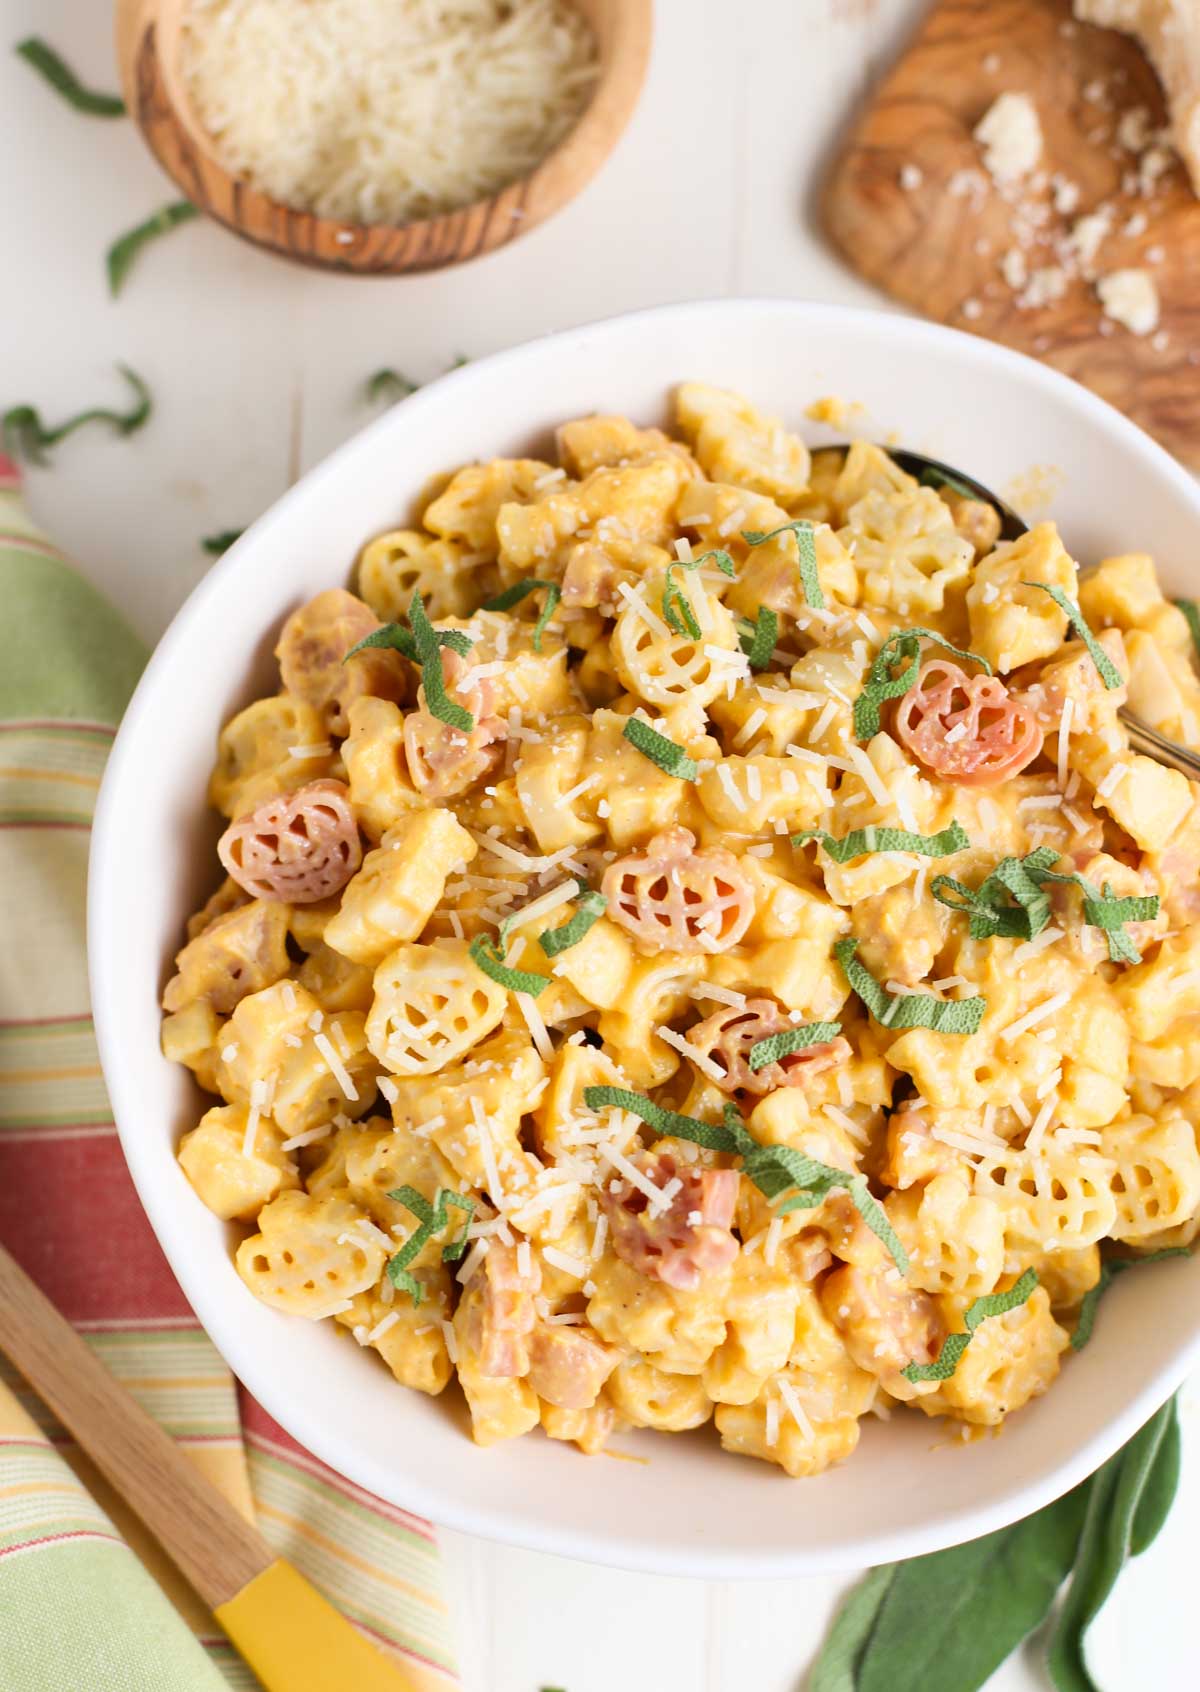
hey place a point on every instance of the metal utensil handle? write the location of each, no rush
(1147, 740)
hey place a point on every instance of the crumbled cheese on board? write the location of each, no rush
(1130, 298)
(1011, 137)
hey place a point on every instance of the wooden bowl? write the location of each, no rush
(148, 35)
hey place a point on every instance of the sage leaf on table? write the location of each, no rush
(126, 249)
(23, 433)
(945, 1622)
(62, 78)
(1130, 1499)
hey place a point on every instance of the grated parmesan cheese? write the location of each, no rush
(385, 113)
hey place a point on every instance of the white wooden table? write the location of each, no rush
(257, 368)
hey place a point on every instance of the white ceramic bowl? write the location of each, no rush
(684, 1507)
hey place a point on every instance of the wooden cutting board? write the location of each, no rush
(937, 244)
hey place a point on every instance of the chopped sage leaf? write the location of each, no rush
(861, 842)
(125, 251)
(387, 387)
(487, 955)
(676, 607)
(670, 757)
(1111, 1268)
(757, 639)
(221, 541)
(517, 592)
(432, 1219)
(767, 1051)
(908, 1010)
(61, 77)
(806, 548)
(931, 477)
(903, 646)
(1108, 672)
(24, 434)
(590, 908)
(953, 1346)
(774, 1170)
(1191, 613)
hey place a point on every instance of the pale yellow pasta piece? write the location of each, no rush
(589, 1430)
(1164, 989)
(1147, 799)
(190, 1037)
(654, 992)
(554, 766)
(238, 954)
(675, 1331)
(432, 1004)
(642, 799)
(907, 552)
(666, 668)
(234, 1180)
(560, 1114)
(899, 933)
(379, 1159)
(1011, 623)
(599, 966)
(1163, 688)
(402, 562)
(734, 442)
(1156, 1182)
(399, 885)
(765, 716)
(310, 1255)
(1122, 592)
(798, 1451)
(407, 1336)
(869, 469)
(283, 1055)
(1010, 1359)
(254, 760)
(752, 794)
(760, 1309)
(500, 1408)
(1060, 1199)
(380, 790)
(770, 574)
(467, 508)
(954, 1239)
(594, 443)
(334, 982)
(647, 1397)
(638, 501)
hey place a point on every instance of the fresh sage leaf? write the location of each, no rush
(836, 1669)
(126, 250)
(62, 78)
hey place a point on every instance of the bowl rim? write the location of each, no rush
(955, 1526)
(171, 129)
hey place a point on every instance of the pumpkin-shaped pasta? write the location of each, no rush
(300, 847)
(311, 1255)
(682, 1236)
(395, 566)
(444, 760)
(964, 728)
(954, 1239)
(270, 747)
(238, 954)
(1012, 621)
(726, 1038)
(399, 886)
(673, 898)
(312, 651)
(432, 1004)
(1156, 1183)
(1054, 1197)
(235, 1180)
(667, 667)
(907, 552)
(650, 1397)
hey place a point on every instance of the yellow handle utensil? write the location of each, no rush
(291, 1637)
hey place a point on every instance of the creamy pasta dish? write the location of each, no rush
(697, 945)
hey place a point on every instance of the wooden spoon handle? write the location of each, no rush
(214, 1547)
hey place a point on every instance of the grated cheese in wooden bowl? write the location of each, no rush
(383, 111)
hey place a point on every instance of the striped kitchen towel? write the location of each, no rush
(85, 1600)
